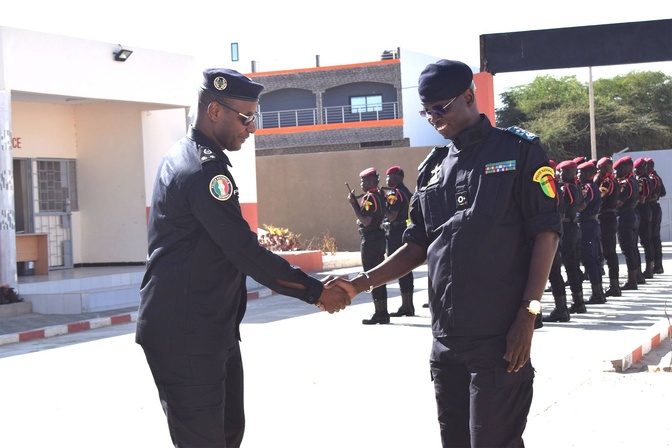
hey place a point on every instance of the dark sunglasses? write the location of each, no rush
(247, 119)
(436, 110)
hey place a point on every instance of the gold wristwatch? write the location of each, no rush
(533, 306)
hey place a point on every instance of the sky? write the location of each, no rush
(289, 34)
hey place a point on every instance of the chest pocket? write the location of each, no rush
(434, 207)
(495, 193)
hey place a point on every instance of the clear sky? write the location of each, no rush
(289, 34)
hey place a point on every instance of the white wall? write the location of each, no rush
(663, 165)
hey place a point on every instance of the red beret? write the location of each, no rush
(648, 159)
(566, 164)
(394, 170)
(639, 162)
(368, 172)
(622, 160)
(552, 163)
(579, 159)
(587, 165)
(603, 161)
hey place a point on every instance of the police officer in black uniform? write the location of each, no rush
(397, 202)
(370, 212)
(193, 294)
(609, 192)
(571, 233)
(590, 231)
(643, 208)
(628, 221)
(484, 216)
(656, 215)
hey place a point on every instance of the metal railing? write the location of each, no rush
(330, 115)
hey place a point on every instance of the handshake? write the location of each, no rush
(336, 295)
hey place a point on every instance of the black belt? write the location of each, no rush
(587, 218)
(611, 210)
(572, 220)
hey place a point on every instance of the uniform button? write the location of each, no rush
(311, 298)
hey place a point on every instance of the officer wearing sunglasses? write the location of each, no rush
(201, 249)
(485, 219)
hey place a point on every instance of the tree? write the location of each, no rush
(633, 110)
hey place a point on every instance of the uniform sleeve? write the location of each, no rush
(416, 231)
(539, 204)
(224, 223)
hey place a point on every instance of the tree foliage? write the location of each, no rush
(633, 111)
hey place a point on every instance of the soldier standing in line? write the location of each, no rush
(608, 223)
(560, 313)
(628, 222)
(656, 215)
(590, 231)
(643, 208)
(571, 234)
(370, 211)
(398, 199)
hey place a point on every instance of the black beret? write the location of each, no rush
(231, 84)
(444, 80)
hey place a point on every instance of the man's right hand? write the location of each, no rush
(333, 299)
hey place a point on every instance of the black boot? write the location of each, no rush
(648, 272)
(614, 289)
(597, 296)
(406, 308)
(560, 313)
(658, 267)
(631, 284)
(578, 305)
(380, 316)
(640, 277)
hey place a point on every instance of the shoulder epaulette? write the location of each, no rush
(431, 155)
(522, 133)
(205, 154)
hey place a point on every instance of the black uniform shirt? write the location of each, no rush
(628, 193)
(193, 295)
(479, 204)
(592, 197)
(398, 199)
(372, 204)
(609, 192)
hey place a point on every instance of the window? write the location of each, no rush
(234, 51)
(57, 183)
(362, 104)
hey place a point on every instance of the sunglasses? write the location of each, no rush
(247, 119)
(436, 110)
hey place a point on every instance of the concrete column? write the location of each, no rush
(318, 104)
(7, 221)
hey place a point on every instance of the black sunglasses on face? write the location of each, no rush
(436, 110)
(247, 119)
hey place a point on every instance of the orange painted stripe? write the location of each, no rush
(317, 69)
(78, 326)
(120, 319)
(637, 355)
(28, 335)
(330, 127)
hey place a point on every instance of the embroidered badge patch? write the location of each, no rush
(221, 187)
(499, 167)
(544, 176)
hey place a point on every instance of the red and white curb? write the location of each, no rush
(654, 336)
(58, 330)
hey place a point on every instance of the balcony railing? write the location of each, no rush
(330, 115)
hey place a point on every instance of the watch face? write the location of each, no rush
(534, 307)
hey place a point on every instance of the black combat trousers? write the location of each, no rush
(372, 248)
(394, 242)
(608, 232)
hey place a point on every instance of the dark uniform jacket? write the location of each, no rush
(479, 204)
(372, 204)
(592, 197)
(398, 199)
(193, 295)
(609, 192)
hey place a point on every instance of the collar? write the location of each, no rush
(203, 141)
(473, 135)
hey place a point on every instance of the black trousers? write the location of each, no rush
(656, 221)
(480, 404)
(590, 249)
(608, 225)
(202, 397)
(644, 231)
(394, 242)
(571, 240)
(555, 276)
(372, 247)
(628, 223)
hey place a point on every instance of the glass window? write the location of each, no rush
(369, 103)
(57, 183)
